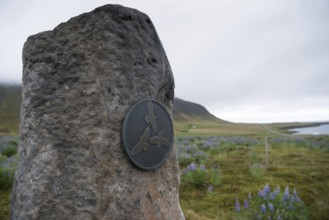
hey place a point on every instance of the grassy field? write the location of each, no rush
(4, 204)
(298, 163)
(237, 153)
(208, 128)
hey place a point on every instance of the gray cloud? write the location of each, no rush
(244, 60)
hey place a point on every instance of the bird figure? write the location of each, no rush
(150, 118)
(142, 143)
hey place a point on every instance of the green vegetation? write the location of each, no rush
(272, 205)
(8, 164)
(217, 171)
(296, 162)
(4, 204)
(10, 150)
(10, 100)
(199, 176)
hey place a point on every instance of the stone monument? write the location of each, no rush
(80, 81)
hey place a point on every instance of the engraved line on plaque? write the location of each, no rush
(145, 140)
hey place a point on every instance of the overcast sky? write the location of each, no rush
(245, 61)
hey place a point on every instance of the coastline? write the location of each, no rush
(286, 128)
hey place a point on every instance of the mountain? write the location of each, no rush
(185, 111)
(10, 100)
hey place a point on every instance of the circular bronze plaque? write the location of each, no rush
(147, 134)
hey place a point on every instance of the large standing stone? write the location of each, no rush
(79, 81)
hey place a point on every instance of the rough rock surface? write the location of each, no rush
(79, 81)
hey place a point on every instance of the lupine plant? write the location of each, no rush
(9, 151)
(198, 176)
(198, 149)
(195, 174)
(272, 205)
(188, 153)
(7, 171)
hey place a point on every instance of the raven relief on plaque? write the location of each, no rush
(147, 134)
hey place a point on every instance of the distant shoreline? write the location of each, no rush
(286, 127)
(289, 128)
(304, 125)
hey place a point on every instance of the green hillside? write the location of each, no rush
(10, 100)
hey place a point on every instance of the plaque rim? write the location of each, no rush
(124, 144)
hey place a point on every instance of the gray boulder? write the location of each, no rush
(79, 81)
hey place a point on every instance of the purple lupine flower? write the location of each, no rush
(245, 204)
(267, 189)
(200, 155)
(192, 166)
(210, 143)
(269, 218)
(279, 217)
(237, 205)
(210, 188)
(261, 194)
(286, 194)
(272, 196)
(270, 207)
(263, 208)
(202, 167)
